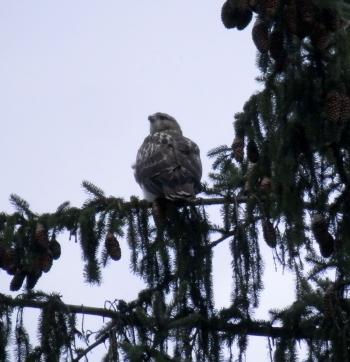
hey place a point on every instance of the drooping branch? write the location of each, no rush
(194, 320)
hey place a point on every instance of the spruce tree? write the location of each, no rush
(285, 177)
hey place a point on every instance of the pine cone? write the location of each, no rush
(276, 44)
(328, 302)
(45, 262)
(252, 152)
(320, 37)
(260, 35)
(265, 184)
(112, 246)
(323, 237)
(345, 109)
(41, 237)
(269, 8)
(269, 233)
(331, 19)
(254, 5)
(291, 16)
(244, 18)
(333, 106)
(17, 281)
(238, 149)
(10, 261)
(55, 248)
(306, 17)
(229, 14)
(2, 256)
(32, 279)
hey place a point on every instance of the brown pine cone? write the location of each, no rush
(322, 236)
(345, 109)
(41, 237)
(17, 281)
(320, 37)
(269, 8)
(333, 106)
(10, 261)
(260, 35)
(55, 248)
(45, 262)
(238, 149)
(32, 279)
(252, 152)
(269, 233)
(265, 184)
(112, 246)
(291, 16)
(229, 14)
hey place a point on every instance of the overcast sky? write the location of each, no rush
(77, 82)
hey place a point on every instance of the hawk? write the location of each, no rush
(168, 165)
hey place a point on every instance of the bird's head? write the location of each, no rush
(163, 122)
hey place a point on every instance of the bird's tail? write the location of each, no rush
(180, 192)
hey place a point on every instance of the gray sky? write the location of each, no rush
(77, 82)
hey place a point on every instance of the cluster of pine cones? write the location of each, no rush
(29, 261)
(300, 18)
(323, 237)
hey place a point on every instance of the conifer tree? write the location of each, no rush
(285, 177)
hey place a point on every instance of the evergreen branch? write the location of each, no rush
(246, 327)
(24, 302)
(93, 189)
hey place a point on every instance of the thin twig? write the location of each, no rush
(220, 240)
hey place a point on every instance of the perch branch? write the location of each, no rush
(252, 328)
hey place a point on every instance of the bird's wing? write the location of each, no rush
(169, 165)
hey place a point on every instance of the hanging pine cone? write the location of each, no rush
(236, 14)
(10, 261)
(306, 17)
(331, 19)
(244, 18)
(55, 248)
(320, 37)
(291, 16)
(345, 108)
(41, 237)
(325, 240)
(276, 44)
(238, 149)
(2, 255)
(32, 279)
(265, 184)
(269, 8)
(44, 262)
(252, 152)
(112, 246)
(333, 105)
(328, 303)
(260, 35)
(269, 233)
(17, 281)
(254, 5)
(229, 14)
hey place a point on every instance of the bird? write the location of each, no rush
(168, 165)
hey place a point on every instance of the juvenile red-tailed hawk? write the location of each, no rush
(168, 165)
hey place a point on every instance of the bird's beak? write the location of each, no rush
(151, 118)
